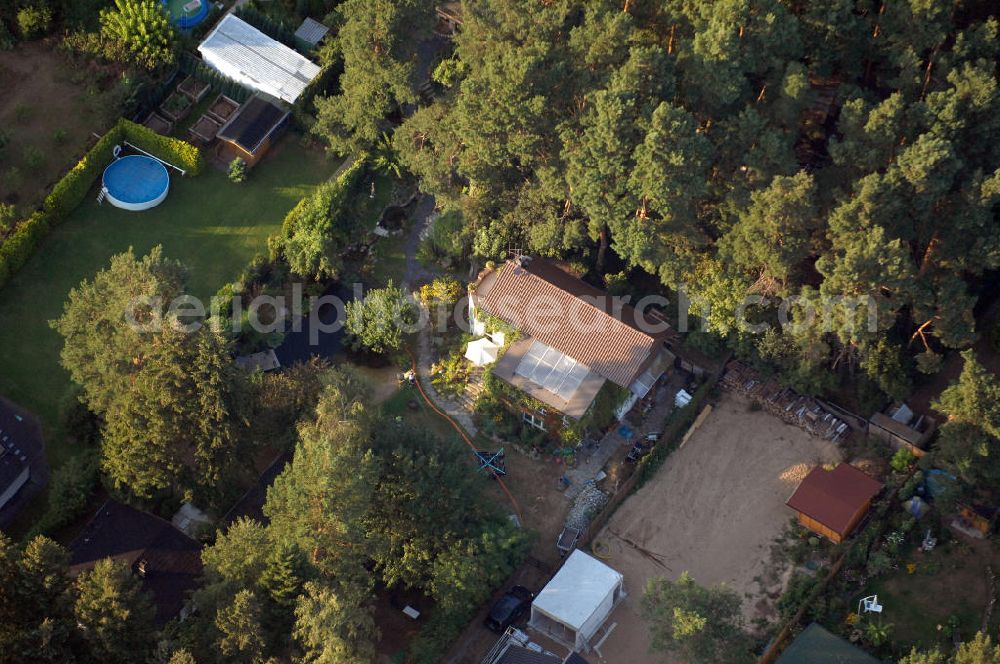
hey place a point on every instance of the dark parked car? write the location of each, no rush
(509, 609)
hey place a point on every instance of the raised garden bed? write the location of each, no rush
(205, 129)
(158, 123)
(223, 108)
(193, 89)
(176, 107)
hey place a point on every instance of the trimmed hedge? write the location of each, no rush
(172, 150)
(17, 249)
(70, 191)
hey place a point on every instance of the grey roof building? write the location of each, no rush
(23, 468)
(311, 32)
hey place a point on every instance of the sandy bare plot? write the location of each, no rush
(713, 510)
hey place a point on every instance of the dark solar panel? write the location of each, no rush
(253, 122)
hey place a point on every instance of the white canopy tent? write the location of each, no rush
(577, 601)
(482, 352)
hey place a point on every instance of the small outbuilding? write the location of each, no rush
(902, 428)
(311, 32)
(250, 131)
(831, 503)
(266, 360)
(816, 645)
(575, 604)
(482, 352)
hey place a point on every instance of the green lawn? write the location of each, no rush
(948, 584)
(213, 226)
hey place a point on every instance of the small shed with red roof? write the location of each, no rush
(832, 502)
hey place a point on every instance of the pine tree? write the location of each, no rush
(970, 439)
(114, 614)
(334, 626)
(240, 629)
(282, 576)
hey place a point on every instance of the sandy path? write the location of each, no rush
(713, 510)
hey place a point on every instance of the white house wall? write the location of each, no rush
(15, 486)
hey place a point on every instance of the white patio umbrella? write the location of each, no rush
(482, 352)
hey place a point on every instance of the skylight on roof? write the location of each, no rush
(556, 372)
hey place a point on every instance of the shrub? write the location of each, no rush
(879, 563)
(22, 112)
(33, 158)
(437, 636)
(379, 322)
(71, 487)
(237, 170)
(445, 291)
(6, 38)
(59, 136)
(451, 375)
(902, 460)
(34, 22)
(12, 178)
(8, 215)
(447, 240)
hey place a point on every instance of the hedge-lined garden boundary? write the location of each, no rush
(70, 191)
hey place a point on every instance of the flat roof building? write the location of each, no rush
(243, 53)
(573, 606)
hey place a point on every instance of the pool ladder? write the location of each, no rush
(101, 196)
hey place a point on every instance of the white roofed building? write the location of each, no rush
(243, 53)
(574, 605)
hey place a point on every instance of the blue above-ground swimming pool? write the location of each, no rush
(136, 182)
(184, 18)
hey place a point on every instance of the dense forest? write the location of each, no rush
(809, 154)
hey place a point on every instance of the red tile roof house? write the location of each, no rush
(574, 338)
(832, 502)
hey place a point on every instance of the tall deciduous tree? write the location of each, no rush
(166, 394)
(379, 322)
(700, 624)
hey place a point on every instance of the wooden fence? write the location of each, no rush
(675, 428)
(878, 521)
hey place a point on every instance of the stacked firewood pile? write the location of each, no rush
(785, 403)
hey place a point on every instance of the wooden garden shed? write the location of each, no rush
(249, 132)
(831, 503)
